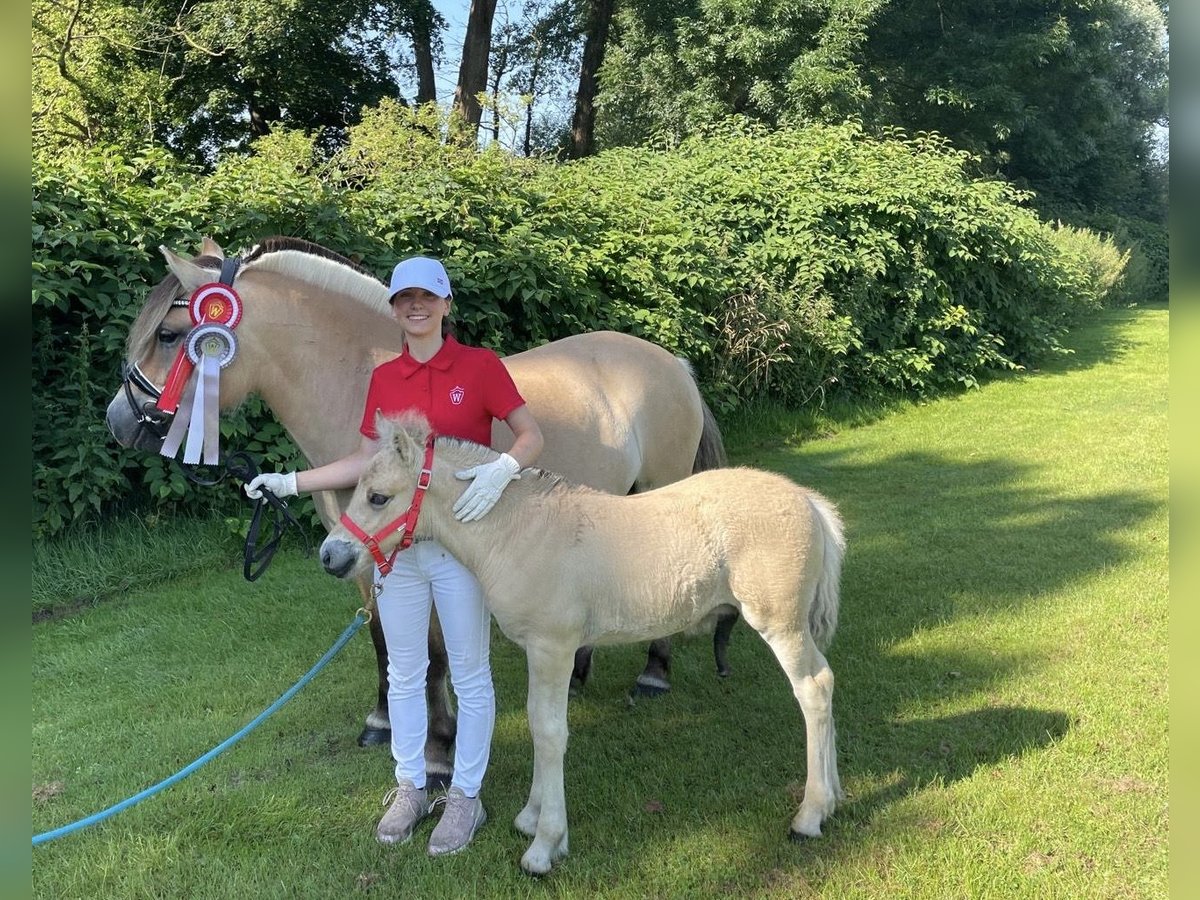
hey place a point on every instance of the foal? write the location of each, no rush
(564, 565)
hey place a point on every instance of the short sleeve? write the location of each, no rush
(502, 395)
(372, 406)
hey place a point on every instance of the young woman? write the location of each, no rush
(461, 390)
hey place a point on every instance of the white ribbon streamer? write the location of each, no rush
(211, 347)
(179, 425)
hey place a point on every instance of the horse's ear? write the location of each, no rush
(190, 275)
(209, 247)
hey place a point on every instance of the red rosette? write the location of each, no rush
(217, 303)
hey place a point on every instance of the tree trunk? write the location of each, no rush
(472, 74)
(422, 38)
(535, 74)
(583, 126)
(262, 112)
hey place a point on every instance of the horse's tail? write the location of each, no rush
(710, 454)
(823, 614)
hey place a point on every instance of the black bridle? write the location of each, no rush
(239, 464)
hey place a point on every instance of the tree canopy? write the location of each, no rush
(1063, 97)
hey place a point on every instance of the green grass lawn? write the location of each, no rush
(1001, 699)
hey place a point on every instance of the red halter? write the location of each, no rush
(407, 522)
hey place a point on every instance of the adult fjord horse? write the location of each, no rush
(594, 568)
(618, 413)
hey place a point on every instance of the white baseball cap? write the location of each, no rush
(420, 272)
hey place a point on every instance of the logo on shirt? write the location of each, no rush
(456, 395)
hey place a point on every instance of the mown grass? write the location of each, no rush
(1001, 701)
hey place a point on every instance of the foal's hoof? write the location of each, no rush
(372, 737)
(437, 782)
(799, 837)
(649, 687)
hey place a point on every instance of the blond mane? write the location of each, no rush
(324, 270)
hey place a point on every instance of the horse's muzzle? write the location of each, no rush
(133, 430)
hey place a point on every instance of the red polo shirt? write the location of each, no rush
(460, 390)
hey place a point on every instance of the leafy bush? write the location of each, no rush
(1147, 277)
(1099, 257)
(798, 263)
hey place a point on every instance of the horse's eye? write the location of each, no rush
(167, 336)
(378, 500)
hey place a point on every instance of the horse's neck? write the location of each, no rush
(317, 369)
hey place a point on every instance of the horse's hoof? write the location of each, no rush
(649, 688)
(576, 687)
(372, 737)
(437, 782)
(723, 672)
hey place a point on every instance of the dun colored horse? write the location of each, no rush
(563, 565)
(618, 413)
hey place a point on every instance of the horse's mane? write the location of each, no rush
(323, 269)
(317, 266)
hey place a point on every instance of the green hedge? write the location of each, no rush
(798, 262)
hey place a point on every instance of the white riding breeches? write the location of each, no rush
(426, 573)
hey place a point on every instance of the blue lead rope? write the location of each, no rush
(42, 838)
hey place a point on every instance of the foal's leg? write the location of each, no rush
(545, 815)
(812, 685)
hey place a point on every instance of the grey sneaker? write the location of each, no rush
(462, 817)
(409, 805)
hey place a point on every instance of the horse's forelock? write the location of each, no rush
(155, 309)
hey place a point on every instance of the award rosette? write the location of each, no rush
(209, 348)
(215, 302)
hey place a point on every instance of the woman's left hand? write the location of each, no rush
(490, 480)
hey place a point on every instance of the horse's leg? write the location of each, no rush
(545, 815)
(725, 623)
(812, 685)
(439, 739)
(655, 678)
(378, 728)
(582, 669)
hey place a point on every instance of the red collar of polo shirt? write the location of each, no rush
(441, 360)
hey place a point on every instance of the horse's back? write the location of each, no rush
(616, 411)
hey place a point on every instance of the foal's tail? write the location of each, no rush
(823, 613)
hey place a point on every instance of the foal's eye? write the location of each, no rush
(167, 335)
(378, 500)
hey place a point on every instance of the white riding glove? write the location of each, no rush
(490, 481)
(281, 484)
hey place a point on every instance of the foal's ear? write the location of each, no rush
(190, 275)
(405, 434)
(209, 247)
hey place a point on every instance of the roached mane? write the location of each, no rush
(318, 266)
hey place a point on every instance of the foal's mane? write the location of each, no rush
(323, 269)
(463, 453)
